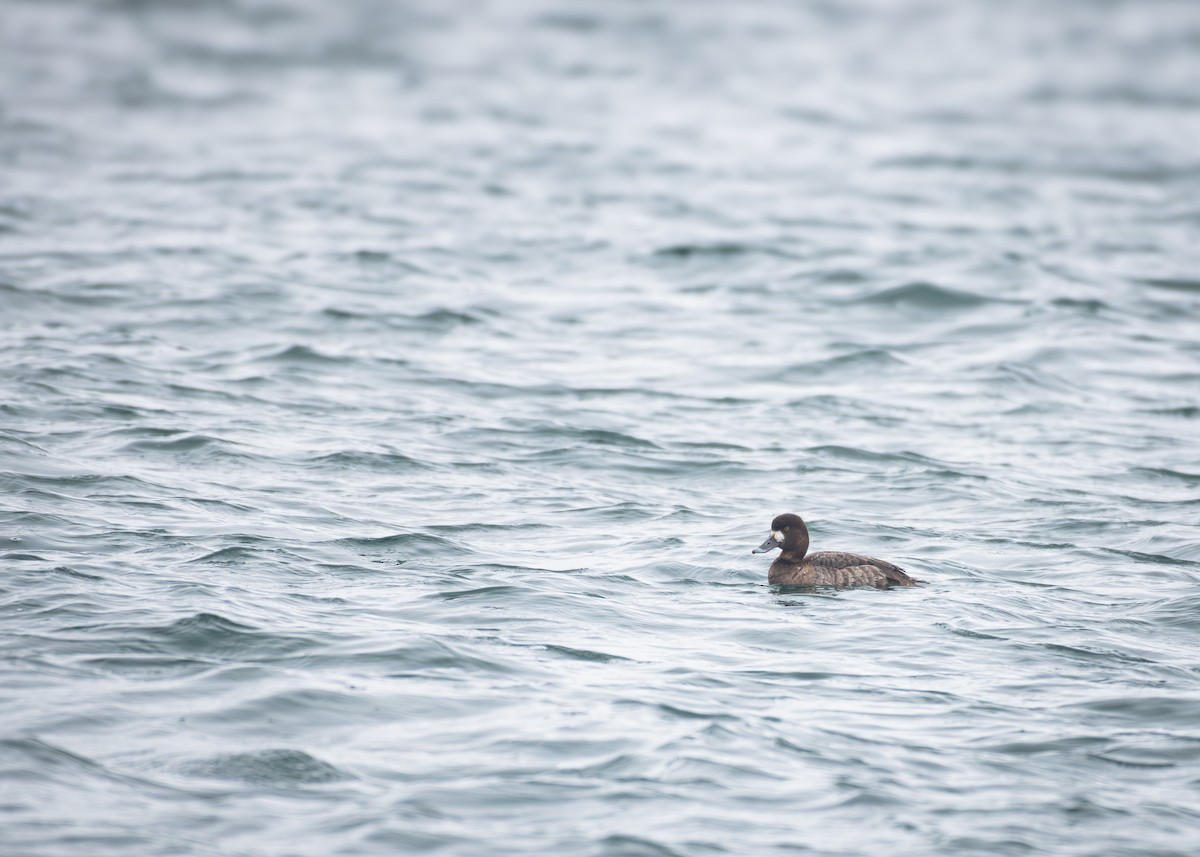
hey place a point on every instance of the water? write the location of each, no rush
(392, 393)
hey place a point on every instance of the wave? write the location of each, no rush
(930, 297)
(275, 767)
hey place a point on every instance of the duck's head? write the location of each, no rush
(787, 533)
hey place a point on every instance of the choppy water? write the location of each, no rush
(391, 394)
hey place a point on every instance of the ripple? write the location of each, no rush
(202, 634)
(277, 767)
(370, 461)
(584, 654)
(717, 250)
(1172, 284)
(929, 297)
(864, 360)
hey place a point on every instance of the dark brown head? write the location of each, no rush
(789, 533)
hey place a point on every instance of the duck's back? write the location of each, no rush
(839, 569)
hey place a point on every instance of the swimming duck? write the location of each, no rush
(797, 567)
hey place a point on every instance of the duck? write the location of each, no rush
(795, 566)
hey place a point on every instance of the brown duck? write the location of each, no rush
(797, 567)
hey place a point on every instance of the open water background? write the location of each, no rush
(391, 394)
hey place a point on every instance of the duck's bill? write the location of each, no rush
(769, 545)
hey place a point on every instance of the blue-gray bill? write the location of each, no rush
(769, 545)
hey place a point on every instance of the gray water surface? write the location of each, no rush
(391, 395)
